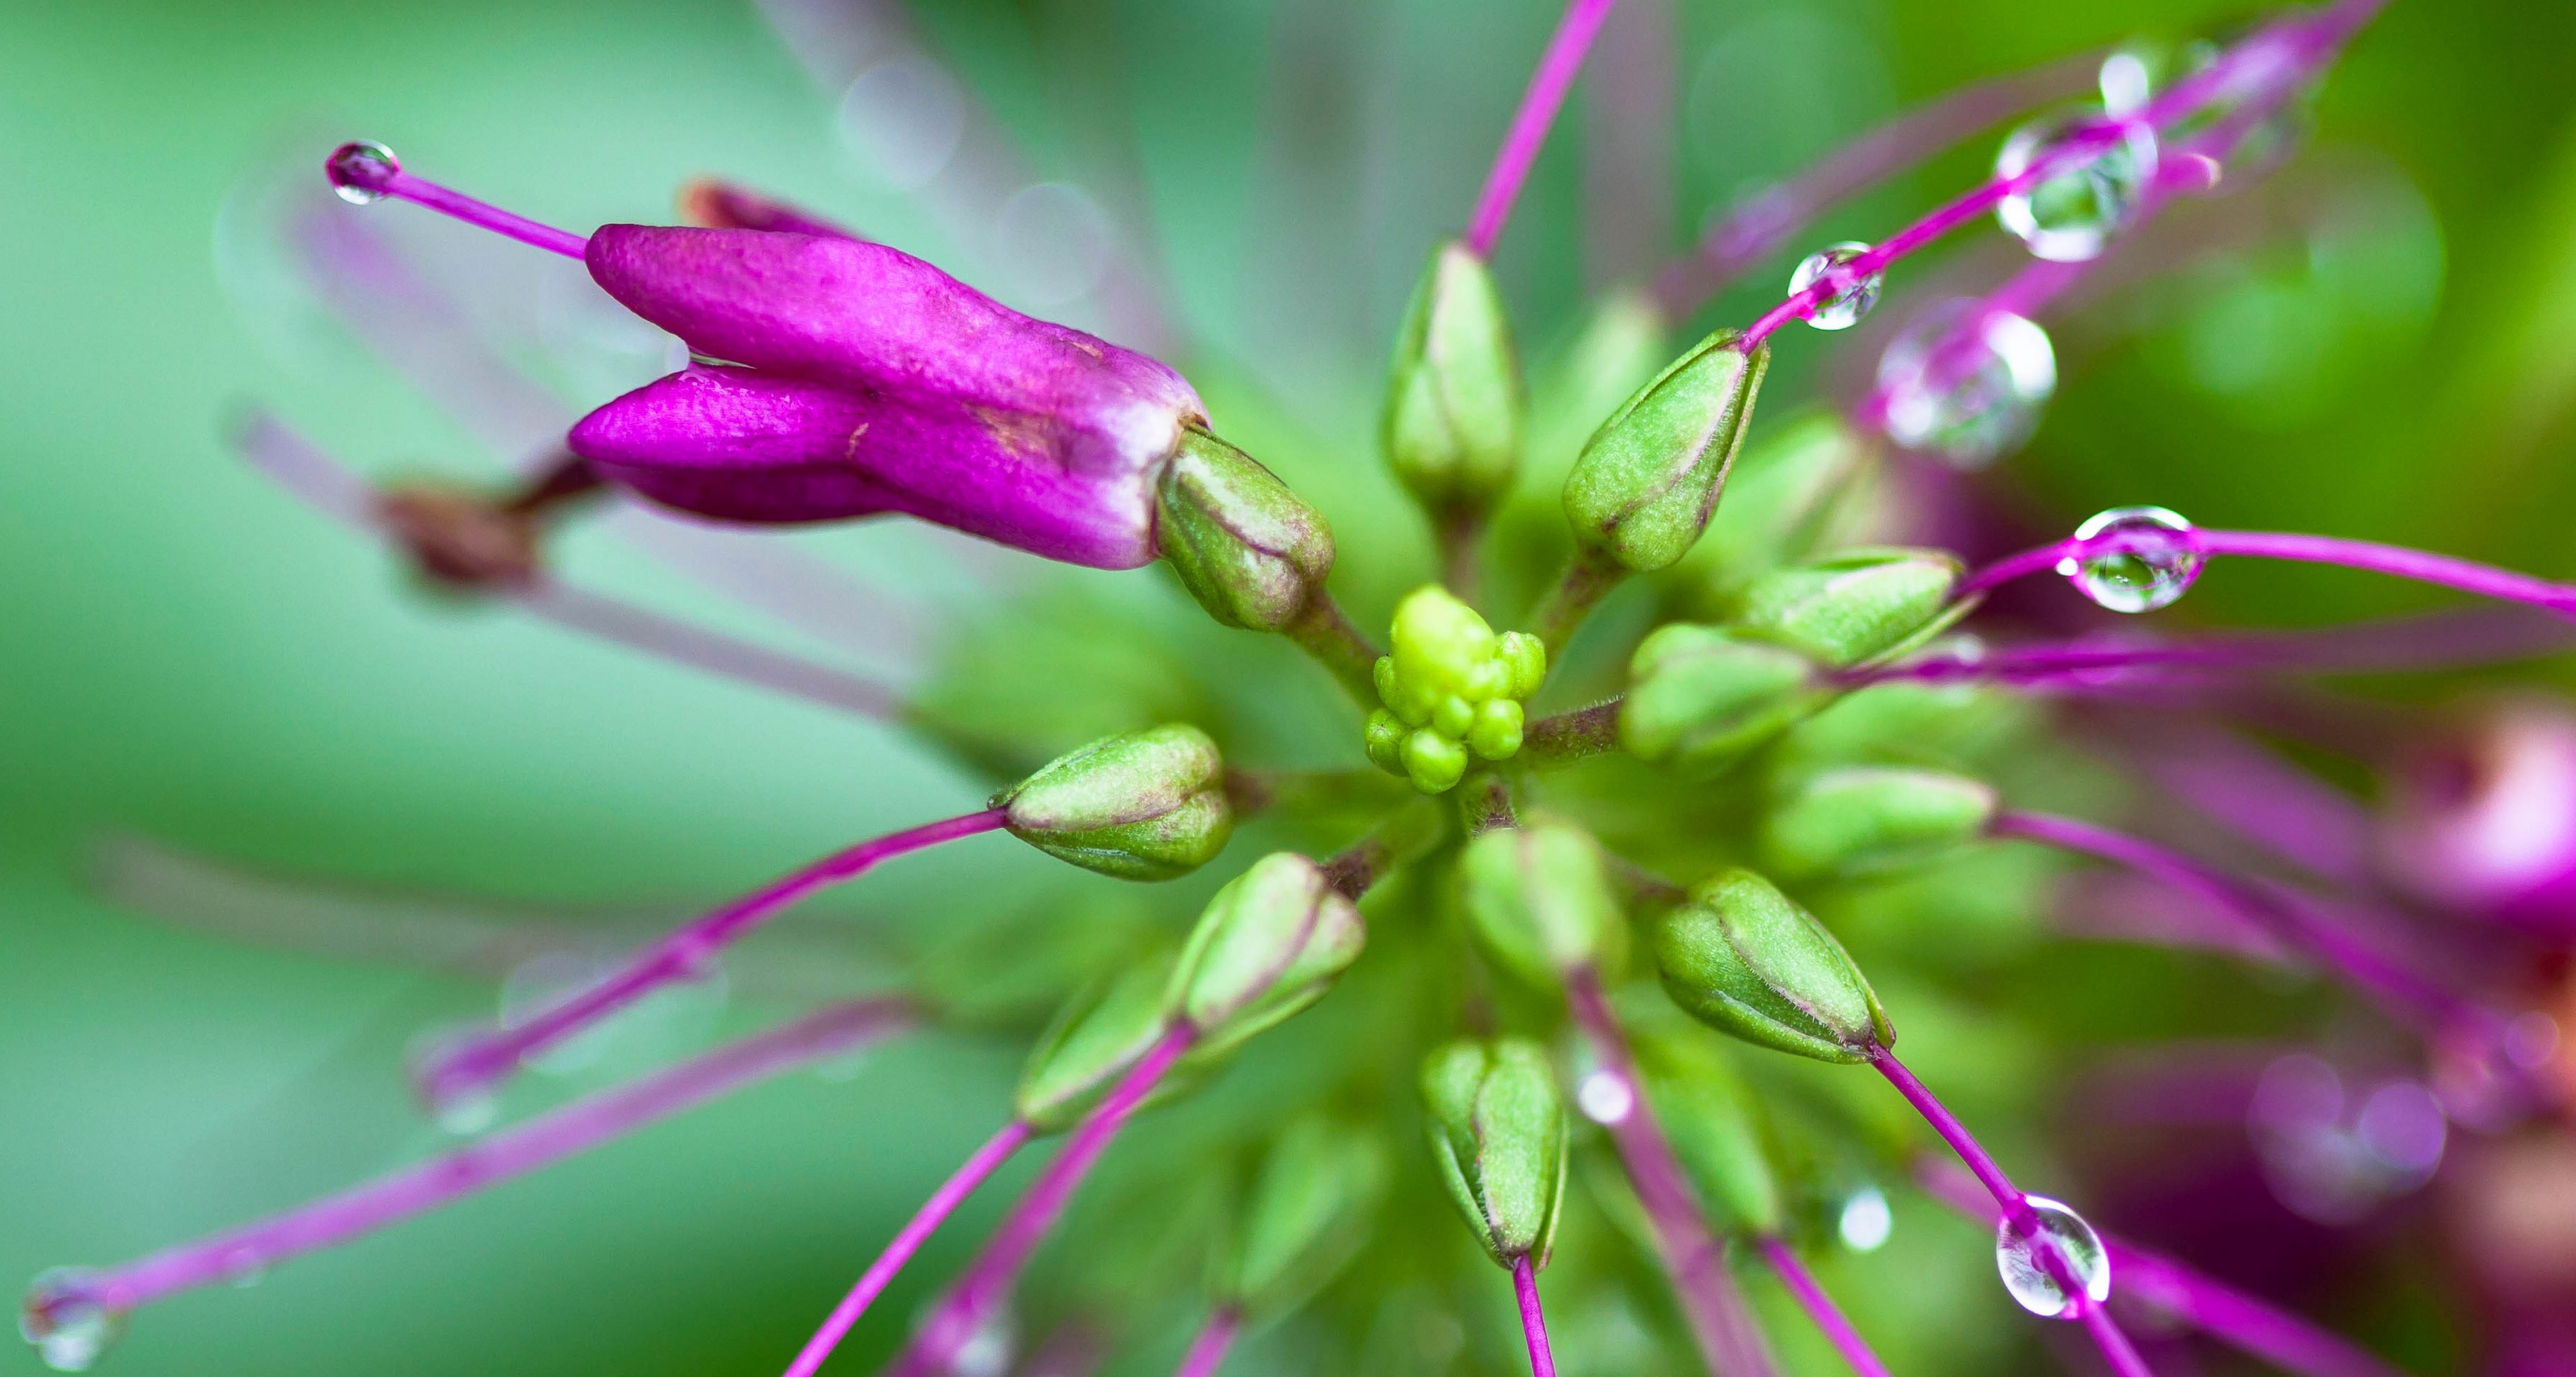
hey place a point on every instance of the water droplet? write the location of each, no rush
(2150, 563)
(1865, 1221)
(70, 1331)
(2037, 1281)
(1606, 1097)
(1850, 296)
(360, 172)
(2128, 77)
(2069, 215)
(1966, 383)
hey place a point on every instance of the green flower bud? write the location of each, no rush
(1644, 487)
(1540, 897)
(1498, 1133)
(1454, 402)
(1744, 959)
(1452, 687)
(1146, 805)
(1269, 944)
(1856, 606)
(1252, 552)
(1700, 697)
(1710, 1117)
(1865, 818)
(1093, 1042)
(1311, 1206)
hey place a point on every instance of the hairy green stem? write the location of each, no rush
(1571, 736)
(1588, 578)
(1323, 632)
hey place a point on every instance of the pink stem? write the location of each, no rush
(907, 1241)
(1215, 1339)
(366, 168)
(668, 638)
(2397, 561)
(1820, 1307)
(2441, 640)
(2007, 1197)
(1729, 1341)
(1533, 1320)
(481, 1062)
(1539, 104)
(2116, 1348)
(2405, 992)
(987, 1284)
(576, 1127)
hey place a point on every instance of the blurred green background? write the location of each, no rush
(192, 656)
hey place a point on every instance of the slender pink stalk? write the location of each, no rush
(480, 1062)
(2211, 1306)
(976, 1297)
(2396, 561)
(1546, 95)
(1533, 1320)
(1820, 1307)
(2442, 640)
(368, 171)
(2121, 1354)
(1729, 1340)
(1215, 1339)
(414, 1190)
(726, 657)
(2007, 1197)
(907, 1241)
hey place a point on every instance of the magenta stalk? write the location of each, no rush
(2396, 561)
(1557, 67)
(2116, 1349)
(1533, 1319)
(415, 1190)
(668, 638)
(1214, 1340)
(1827, 1316)
(978, 1296)
(2214, 1308)
(2455, 639)
(367, 172)
(908, 1240)
(1729, 1341)
(476, 1065)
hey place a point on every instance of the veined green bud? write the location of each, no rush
(1699, 697)
(1644, 487)
(1744, 959)
(1452, 687)
(1540, 897)
(1146, 805)
(1710, 1117)
(1252, 552)
(1856, 606)
(1310, 1208)
(1269, 944)
(1454, 402)
(1498, 1133)
(1868, 817)
(1093, 1042)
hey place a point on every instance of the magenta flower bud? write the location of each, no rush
(858, 379)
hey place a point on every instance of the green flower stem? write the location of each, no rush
(1323, 632)
(1461, 533)
(1403, 836)
(1589, 576)
(1571, 736)
(1254, 792)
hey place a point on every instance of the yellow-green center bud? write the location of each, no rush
(1452, 687)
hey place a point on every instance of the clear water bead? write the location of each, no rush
(69, 1330)
(2152, 566)
(362, 171)
(1851, 296)
(2037, 1284)
(1605, 1097)
(1966, 383)
(2069, 215)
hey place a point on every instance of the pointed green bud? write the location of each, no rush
(1699, 697)
(1856, 606)
(1710, 1117)
(1251, 551)
(1539, 895)
(1454, 401)
(1095, 1041)
(1310, 1208)
(1269, 944)
(1498, 1134)
(1146, 805)
(1644, 487)
(1865, 818)
(1451, 688)
(1743, 958)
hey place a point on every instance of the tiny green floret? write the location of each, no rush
(1452, 689)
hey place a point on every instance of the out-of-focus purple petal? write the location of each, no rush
(2485, 823)
(872, 619)
(293, 463)
(711, 204)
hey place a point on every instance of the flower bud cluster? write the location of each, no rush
(1451, 687)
